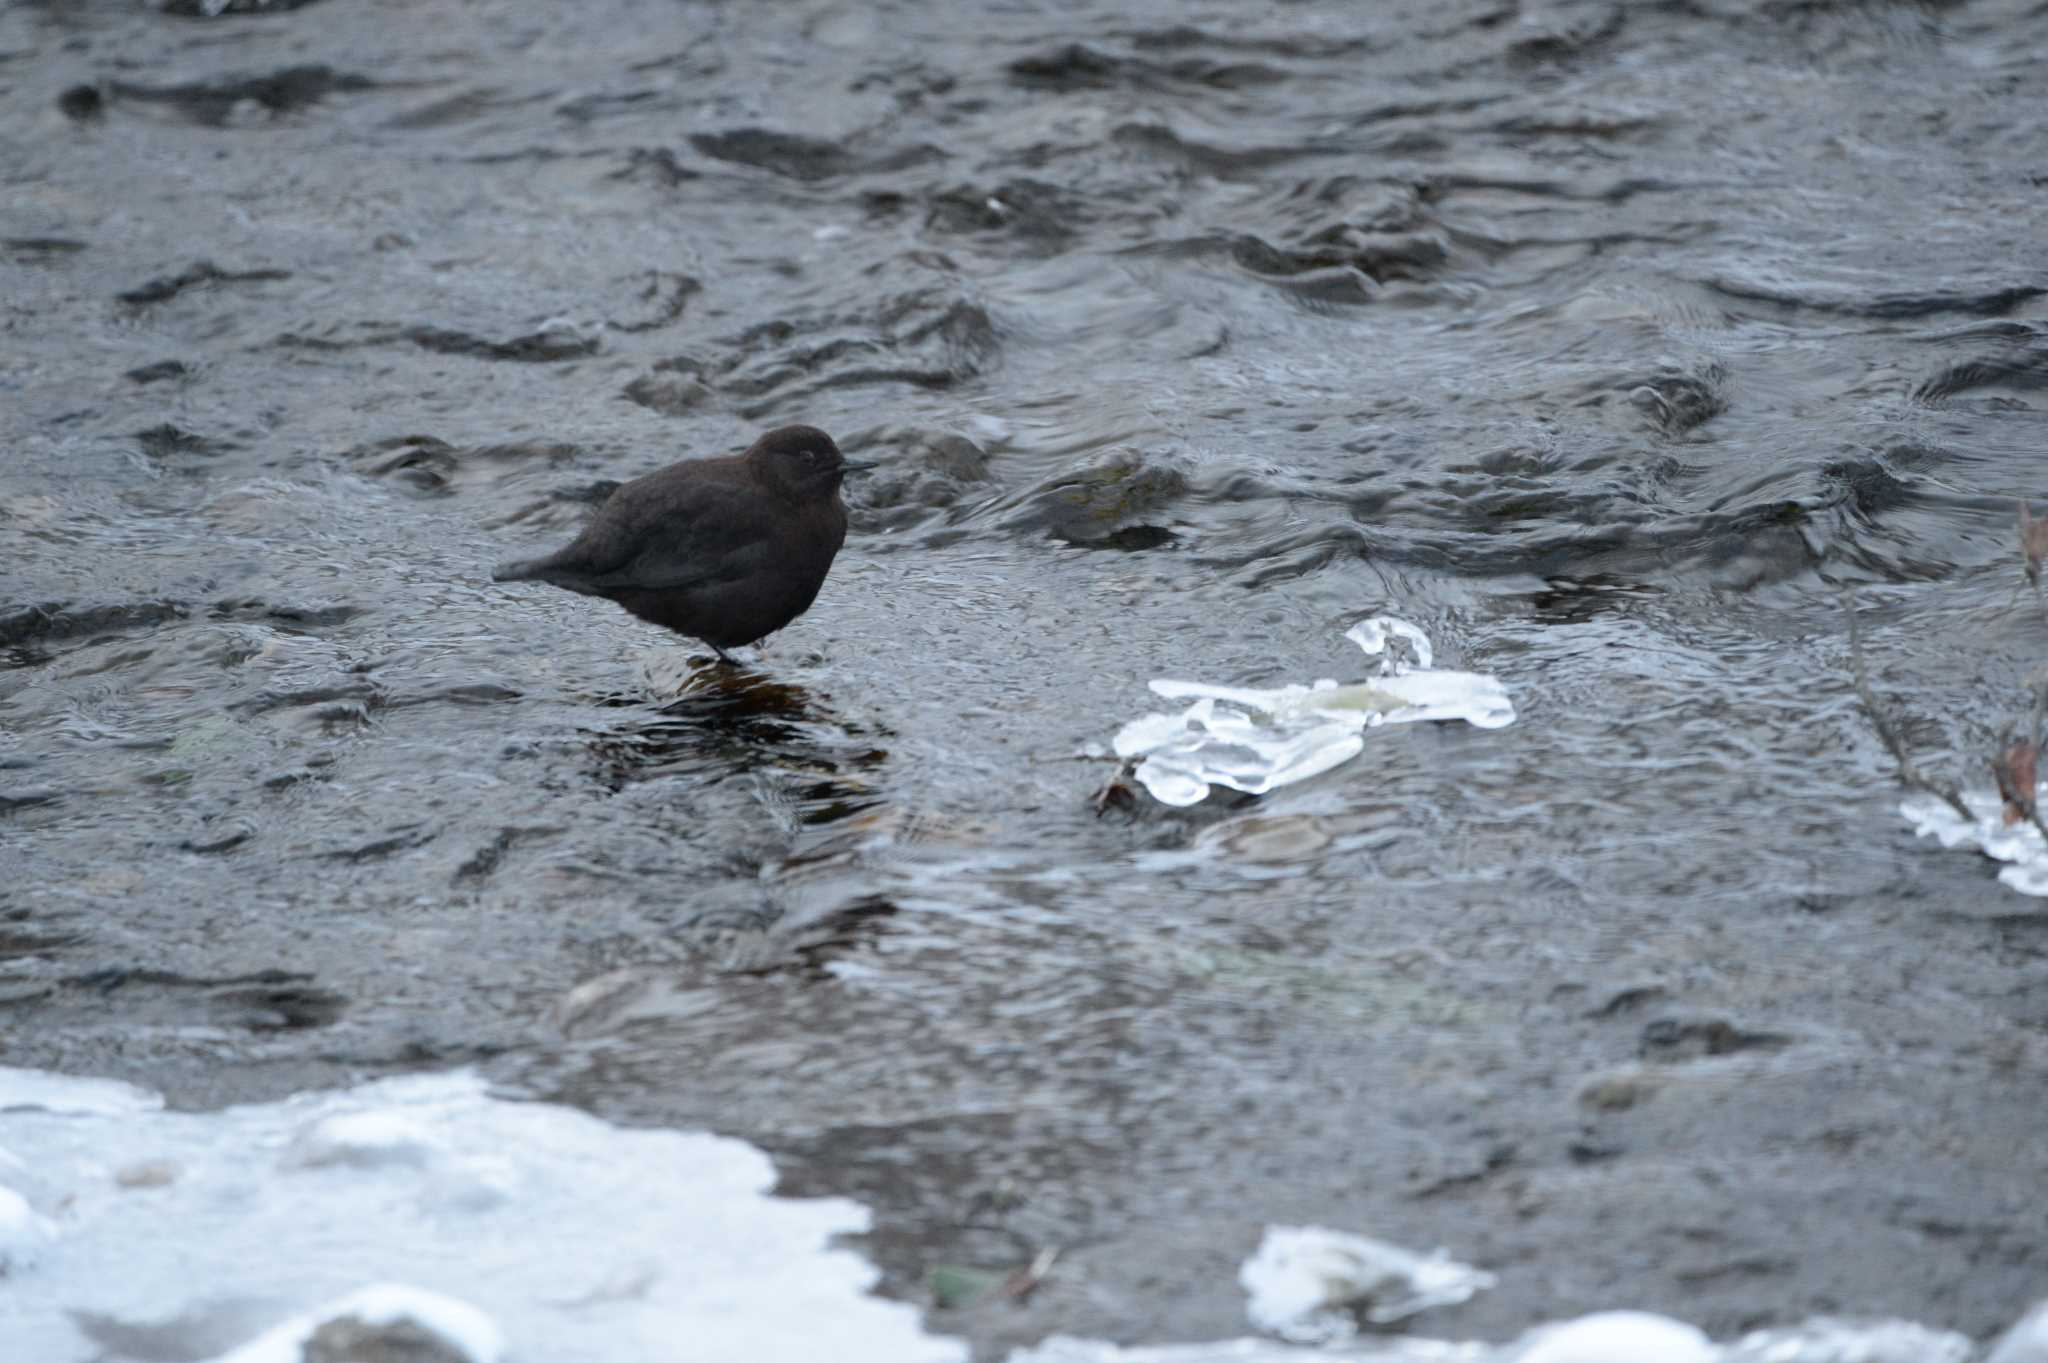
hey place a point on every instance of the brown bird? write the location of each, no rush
(723, 550)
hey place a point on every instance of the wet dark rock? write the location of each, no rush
(459, 693)
(350, 1340)
(922, 472)
(540, 347)
(1076, 66)
(63, 620)
(1032, 211)
(281, 1008)
(2020, 369)
(590, 108)
(1895, 306)
(213, 9)
(738, 715)
(485, 861)
(158, 372)
(672, 389)
(1202, 158)
(33, 249)
(467, 107)
(173, 442)
(1673, 1040)
(1565, 42)
(657, 165)
(1381, 256)
(1867, 485)
(1627, 1000)
(263, 1000)
(82, 103)
(297, 617)
(204, 272)
(1678, 402)
(342, 701)
(1315, 43)
(1113, 502)
(802, 158)
(593, 493)
(666, 294)
(403, 838)
(423, 462)
(214, 103)
(929, 339)
(1620, 1091)
(23, 797)
(222, 839)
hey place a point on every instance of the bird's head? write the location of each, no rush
(802, 461)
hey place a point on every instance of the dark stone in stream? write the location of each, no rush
(204, 272)
(540, 347)
(350, 1339)
(803, 158)
(214, 9)
(213, 103)
(64, 620)
(82, 102)
(158, 372)
(168, 441)
(1108, 504)
(42, 248)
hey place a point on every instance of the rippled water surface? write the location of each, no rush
(1617, 346)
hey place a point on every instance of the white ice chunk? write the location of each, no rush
(1311, 1285)
(580, 1241)
(45, 1092)
(1836, 1341)
(1257, 739)
(2026, 1341)
(458, 1328)
(2017, 843)
(24, 1235)
(1372, 636)
(1604, 1337)
(365, 1140)
(1616, 1337)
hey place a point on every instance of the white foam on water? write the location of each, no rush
(2018, 844)
(1603, 1337)
(1256, 740)
(523, 1231)
(1311, 1285)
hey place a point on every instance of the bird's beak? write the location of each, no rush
(858, 465)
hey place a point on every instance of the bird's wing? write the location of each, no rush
(671, 538)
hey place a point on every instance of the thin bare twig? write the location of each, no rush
(1909, 775)
(1117, 791)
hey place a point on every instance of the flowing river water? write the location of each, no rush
(1624, 348)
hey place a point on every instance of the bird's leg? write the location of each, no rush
(723, 656)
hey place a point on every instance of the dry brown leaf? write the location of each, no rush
(2015, 772)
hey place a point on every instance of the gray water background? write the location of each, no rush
(1609, 343)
